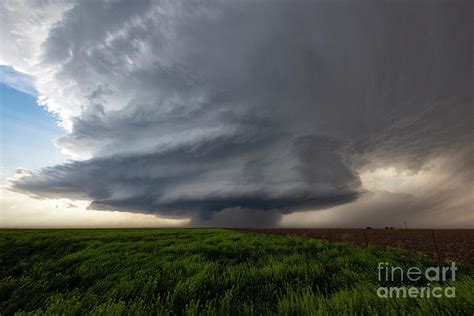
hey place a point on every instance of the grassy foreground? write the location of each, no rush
(203, 271)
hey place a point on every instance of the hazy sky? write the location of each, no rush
(237, 113)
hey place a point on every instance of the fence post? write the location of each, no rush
(366, 240)
(436, 244)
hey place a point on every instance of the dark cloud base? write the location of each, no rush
(148, 180)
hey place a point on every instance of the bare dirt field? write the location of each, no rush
(443, 244)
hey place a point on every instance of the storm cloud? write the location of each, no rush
(191, 108)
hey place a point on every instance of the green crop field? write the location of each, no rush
(207, 272)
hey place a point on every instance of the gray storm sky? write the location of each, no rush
(242, 113)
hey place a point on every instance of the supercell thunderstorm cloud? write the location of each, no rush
(247, 110)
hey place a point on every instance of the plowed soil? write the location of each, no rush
(442, 244)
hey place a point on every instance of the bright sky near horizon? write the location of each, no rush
(242, 113)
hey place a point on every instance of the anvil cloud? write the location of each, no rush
(189, 108)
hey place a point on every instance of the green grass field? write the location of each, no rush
(204, 271)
